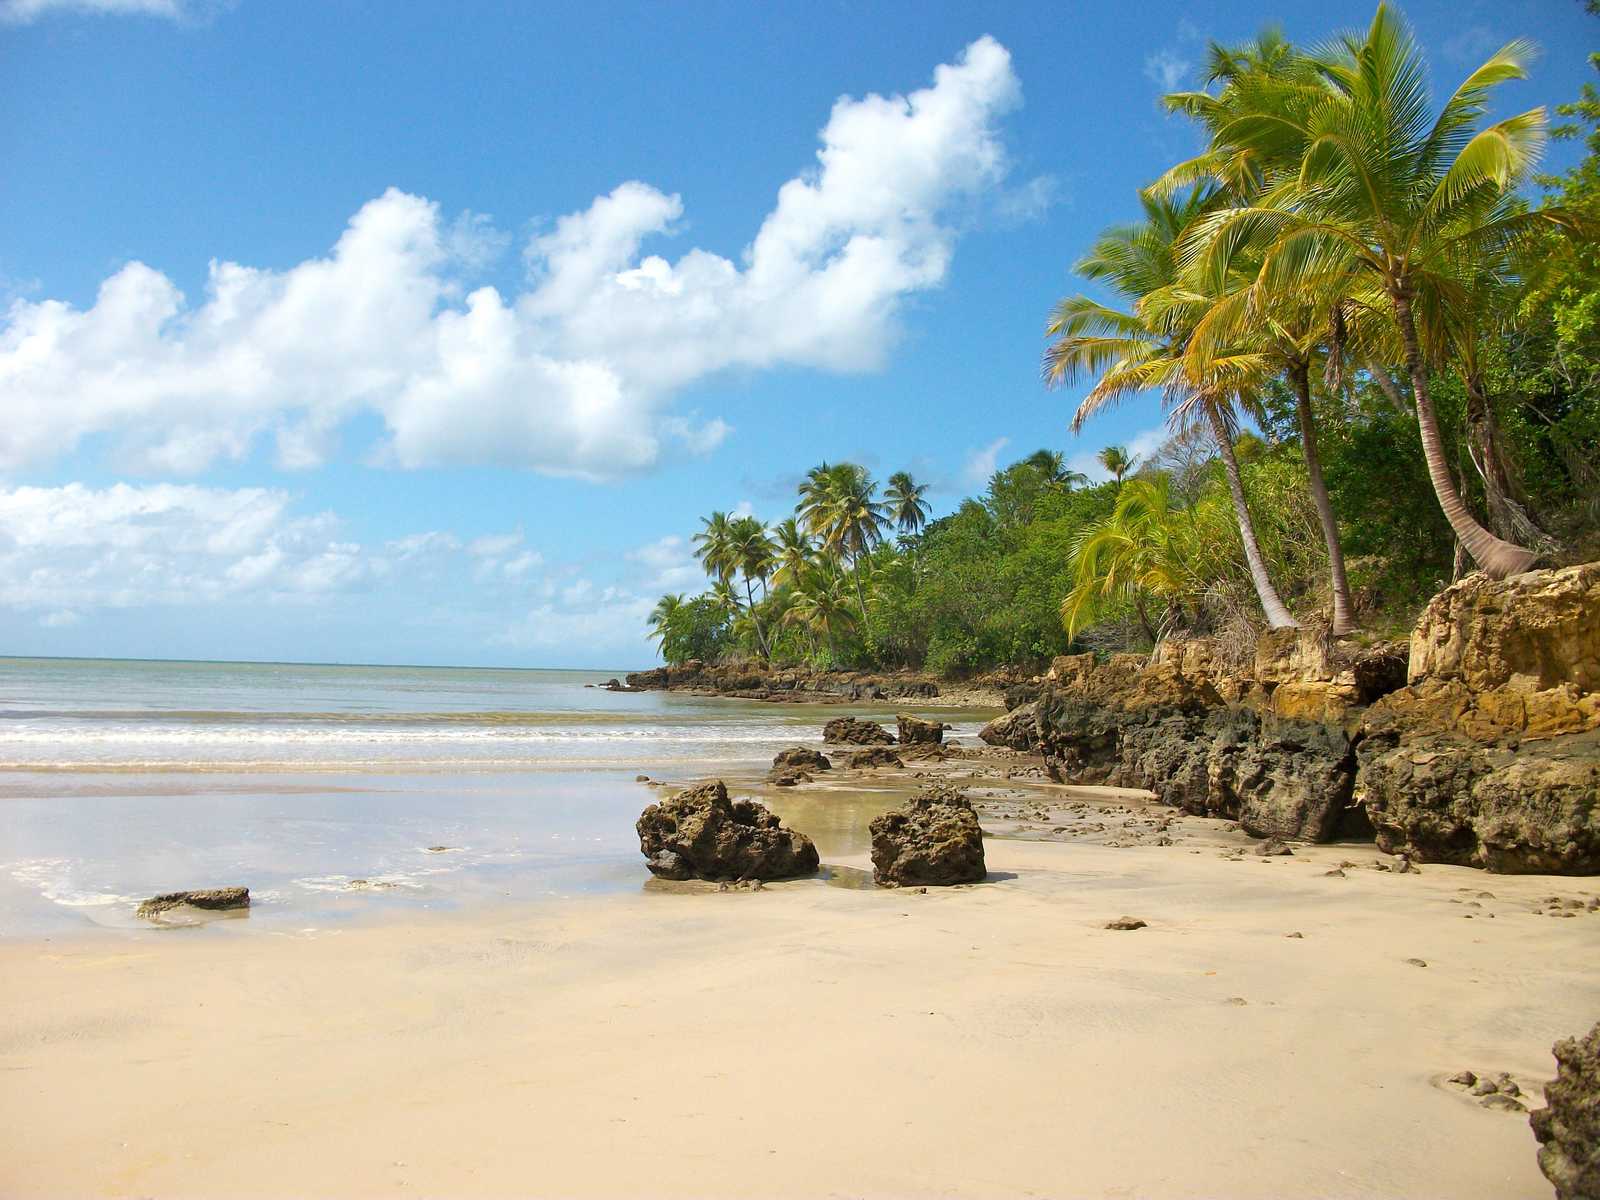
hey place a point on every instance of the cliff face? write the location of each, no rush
(1477, 743)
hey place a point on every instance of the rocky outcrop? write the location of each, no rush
(801, 758)
(1441, 798)
(914, 730)
(1568, 1127)
(933, 840)
(751, 681)
(1477, 742)
(702, 834)
(852, 731)
(214, 899)
(876, 756)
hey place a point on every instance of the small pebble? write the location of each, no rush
(1464, 1078)
(1485, 1087)
(1507, 1085)
(1296, 934)
(1125, 923)
(1335, 873)
(1236, 1001)
(1416, 962)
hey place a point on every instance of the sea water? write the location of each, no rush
(335, 791)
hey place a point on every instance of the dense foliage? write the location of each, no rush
(1357, 275)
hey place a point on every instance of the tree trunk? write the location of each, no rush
(1277, 615)
(1387, 385)
(750, 602)
(1508, 518)
(1144, 619)
(1499, 559)
(861, 595)
(1343, 617)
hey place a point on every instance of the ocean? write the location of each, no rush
(335, 792)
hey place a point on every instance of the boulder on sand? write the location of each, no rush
(208, 898)
(852, 731)
(916, 731)
(934, 839)
(801, 758)
(701, 834)
(1568, 1128)
(1018, 729)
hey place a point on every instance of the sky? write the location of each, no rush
(427, 333)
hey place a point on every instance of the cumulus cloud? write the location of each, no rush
(70, 548)
(21, 11)
(576, 374)
(981, 463)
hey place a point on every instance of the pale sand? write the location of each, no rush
(815, 1041)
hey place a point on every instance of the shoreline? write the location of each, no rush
(813, 1040)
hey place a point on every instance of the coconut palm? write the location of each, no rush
(1052, 465)
(1135, 351)
(1402, 199)
(907, 509)
(1116, 460)
(1144, 549)
(793, 552)
(661, 617)
(839, 505)
(822, 603)
(751, 551)
(714, 546)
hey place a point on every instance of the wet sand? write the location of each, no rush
(813, 1040)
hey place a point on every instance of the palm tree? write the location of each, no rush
(1116, 460)
(750, 549)
(821, 602)
(661, 618)
(794, 552)
(714, 546)
(1135, 351)
(907, 509)
(1403, 200)
(1144, 549)
(839, 505)
(1052, 464)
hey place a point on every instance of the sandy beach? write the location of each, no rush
(819, 1040)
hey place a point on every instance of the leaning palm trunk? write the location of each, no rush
(1387, 385)
(1498, 559)
(1508, 517)
(1277, 615)
(761, 642)
(1343, 618)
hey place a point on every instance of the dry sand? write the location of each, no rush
(812, 1040)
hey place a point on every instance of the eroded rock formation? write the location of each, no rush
(914, 730)
(1568, 1127)
(852, 731)
(933, 840)
(702, 834)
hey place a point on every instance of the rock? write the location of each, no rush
(1502, 1102)
(215, 899)
(1273, 847)
(914, 730)
(1568, 1127)
(701, 834)
(641, 779)
(1296, 934)
(788, 778)
(1017, 730)
(1529, 633)
(1335, 873)
(1507, 1085)
(875, 756)
(852, 731)
(1485, 1087)
(933, 839)
(1416, 962)
(1464, 1078)
(802, 758)
(1126, 923)
(1444, 799)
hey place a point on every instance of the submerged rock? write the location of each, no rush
(801, 758)
(1568, 1127)
(876, 756)
(207, 898)
(933, 839)
(852, 731)
(701, 834)
(914, 730)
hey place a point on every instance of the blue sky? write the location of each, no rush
(426, 333)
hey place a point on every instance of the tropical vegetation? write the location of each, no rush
(1377, 348)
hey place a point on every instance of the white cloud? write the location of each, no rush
(669, 565)
(573, 376)
(1139, 447)
(981, 463)
(1167, 69)
(62, 618)
(21, 11)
